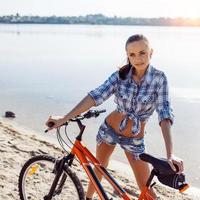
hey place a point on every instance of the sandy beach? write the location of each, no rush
(18, 145)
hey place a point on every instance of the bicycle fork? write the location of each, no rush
(58, 170)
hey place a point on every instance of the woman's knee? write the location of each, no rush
(140, 169)
(142, 173)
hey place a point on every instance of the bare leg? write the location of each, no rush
(103, 153)
(141, 171)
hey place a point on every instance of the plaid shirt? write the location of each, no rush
(137, 102)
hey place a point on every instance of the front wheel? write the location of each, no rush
(36, 178)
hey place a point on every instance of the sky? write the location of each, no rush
(120, 8)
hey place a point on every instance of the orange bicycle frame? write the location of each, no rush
(85, 157)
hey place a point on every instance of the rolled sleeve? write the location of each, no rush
(104, 91)
(163, 105)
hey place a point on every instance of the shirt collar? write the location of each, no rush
(147, 78)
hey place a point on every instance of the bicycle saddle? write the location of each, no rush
(165, 174)
(160, 165)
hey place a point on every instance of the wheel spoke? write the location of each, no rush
(36, 179)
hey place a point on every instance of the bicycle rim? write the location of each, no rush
(37, 176)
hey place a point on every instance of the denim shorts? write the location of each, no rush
(108, 135)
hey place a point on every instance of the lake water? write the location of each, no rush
(47, 69)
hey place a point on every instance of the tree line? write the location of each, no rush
(99, 19)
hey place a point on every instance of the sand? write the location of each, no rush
(18, 145)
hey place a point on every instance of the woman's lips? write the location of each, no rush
(138, 64)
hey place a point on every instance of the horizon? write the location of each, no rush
(110, 8)
(14, 14)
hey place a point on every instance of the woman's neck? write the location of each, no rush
(137, 76)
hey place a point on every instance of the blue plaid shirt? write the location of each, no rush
(137, 102)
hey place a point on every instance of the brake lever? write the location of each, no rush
(96, 114)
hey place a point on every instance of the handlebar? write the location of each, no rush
(87, 115)
(93, 113)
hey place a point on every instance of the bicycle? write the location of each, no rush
(61, 172)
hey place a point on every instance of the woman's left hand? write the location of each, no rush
(176, 163)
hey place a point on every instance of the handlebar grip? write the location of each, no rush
(50, 124)
(102, 111)
(93, 113)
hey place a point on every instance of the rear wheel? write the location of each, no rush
(36, 178)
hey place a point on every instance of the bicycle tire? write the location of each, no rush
(35, 173)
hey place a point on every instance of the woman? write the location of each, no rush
(139, 89)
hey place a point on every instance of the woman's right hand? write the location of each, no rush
(55, 122)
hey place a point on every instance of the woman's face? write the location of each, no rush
(139, 54)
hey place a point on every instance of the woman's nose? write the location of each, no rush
(138, 59)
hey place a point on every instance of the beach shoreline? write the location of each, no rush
(17, 145)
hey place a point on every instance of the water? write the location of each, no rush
(47, 69)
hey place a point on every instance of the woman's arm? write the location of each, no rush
(165, 117)
(85, 104)
(166, 131)
(94, 98)
(172, 160)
